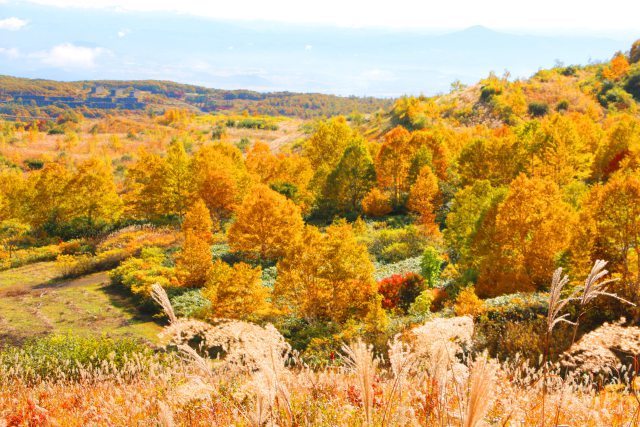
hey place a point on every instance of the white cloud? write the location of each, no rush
(308, 47)
(12, 24)
(501, 14)
(124, 32)
(68, 55)
(9, 52)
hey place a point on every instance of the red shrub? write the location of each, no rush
(400, 291)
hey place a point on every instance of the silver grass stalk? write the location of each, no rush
(481, 388)
(557, 304)
(593, 287)
(165, 416)
(361, 362)
(160, 296)
(198, 361)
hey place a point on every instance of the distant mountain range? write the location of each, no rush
(73, 44)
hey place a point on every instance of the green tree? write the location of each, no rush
(351, 179)
(431, 266)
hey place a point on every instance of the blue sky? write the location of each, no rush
(346, 48)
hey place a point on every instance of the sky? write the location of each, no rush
(343, 47)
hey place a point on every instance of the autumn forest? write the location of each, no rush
(399, 258)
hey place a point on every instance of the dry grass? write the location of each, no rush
(429, 380)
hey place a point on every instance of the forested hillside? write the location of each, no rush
(24, 98)
(500, 220)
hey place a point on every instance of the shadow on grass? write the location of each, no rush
(125, 301)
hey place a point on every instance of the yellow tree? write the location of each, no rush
(614, 211)
(617, 68)
(469, 212)
(48, 193)
(193, 263)
(262, 162)
(179, 180)
(532, 226)
(422, 198)
(393, 161)
(288, 173)
(198, 222)
(91, 194)
(15, 190)
(221, 177)
(266, 224)
(145, 188)
(376, 203)
(350, 180)
(620, 148)
(558, 152)
(326, 276)
(438, 143)
(328, 142)
(236, 292)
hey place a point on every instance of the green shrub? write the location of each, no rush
(188, 302)
(34, 164)
(393, 245)
(563, 105)
(243, 144)
(431, 266)
(632, 84)
(488, 92)
(217, 133)
(421, 307)
(538, 109)
(611, 95)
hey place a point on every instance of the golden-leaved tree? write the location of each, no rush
(194, 261)
(620, 148)
(532, 226)
(611, 223)
(267, 223)
(350, 180)
(376, 203)
(557, 151)
(178, 179)
(145, 188)
(286, 172)
(326, 276)
(422, 198)
(617, 68)
(393, 162)
(48, 194)
(328, 142)
(465, 219)
(91, 194)
(236, 292)
(437, 142)
(221, 177)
